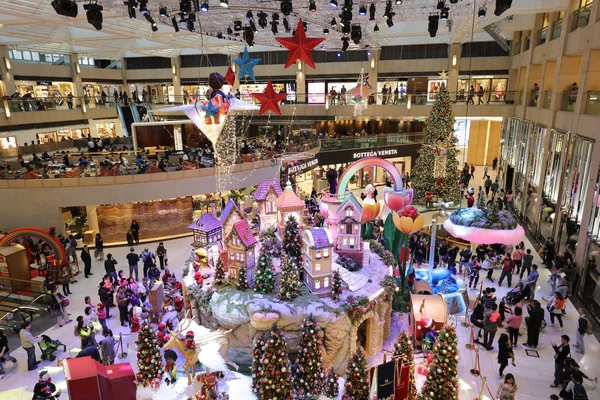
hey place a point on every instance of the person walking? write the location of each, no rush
(508, 265)
(560, 355)
(583, 326)
(86, 257)
(161, 252)
(99, 248)
(480, 93)
(514, 323)
(527, 261)
(575, 388)
(534, 323)
(532, 279)
(505, 352)
(133, 259)
(490, 326)
(122, 303)
(488, 185)
(64, 277)
(495, 163)
(28, 342)
(135, 231)
(60, 303)
(555, 307)
(465, 257)
(4, 354)
(518, 258)
(508, 389)
(474, 272)
(471, 94)
(149, 259)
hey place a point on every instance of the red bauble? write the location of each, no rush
(300, 46)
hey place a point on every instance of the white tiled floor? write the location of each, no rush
(533, 375)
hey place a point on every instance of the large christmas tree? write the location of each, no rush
(149, 358)
(219, 272)
(403, 349)
(292, 242)
(357, 377)
(308, 371)
(289, 280)
(264, 280)
(242, 281)
(275, 379)
(257, 354)
(436, 169)
(442, 378)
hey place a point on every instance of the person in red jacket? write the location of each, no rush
(508, 265)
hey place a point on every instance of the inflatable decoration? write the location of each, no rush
(397, 200)
(440, 274)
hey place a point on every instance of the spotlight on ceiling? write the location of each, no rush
(453, 1)
(286, 24)
(390, 22)
(162, 11)
(131, 5)
(67, 8)
(204, 6)
(325, 31)
(372, 10)
(362, 10)
(249, 36)
(174, 22)
(249, 15)
(224, 3)
(333, 22)
(274, 27)
(312, 6)
(153, 24)
(398, 2)
(482, 12)
(252, 26)
(304, 26)
(185, 7)
(94, 15)
(345, 44)
(376, 28)
(262, 20)
(434, 21)
(440, 5)
(190, 26)
(143, 6)
(237, 25)
(229, 31)
(356, 34)
(501, 6)
(333, 3)
(275, 17)
(286, 7)
(219, 35)
(444, 14)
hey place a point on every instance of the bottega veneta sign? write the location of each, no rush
(375, 153)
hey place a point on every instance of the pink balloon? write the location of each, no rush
(396, 201)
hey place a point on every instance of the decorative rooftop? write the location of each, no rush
(262, 190)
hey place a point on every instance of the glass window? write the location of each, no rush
(513, 130)
(554, 167)
(317, 267)
(326, 282)
(325, 252)
(594, 226)
(576, 177)
(17, 54)
(317, 284)
(534, 156)
(318, 254)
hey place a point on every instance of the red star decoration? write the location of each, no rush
(300, 46)
(269, 100)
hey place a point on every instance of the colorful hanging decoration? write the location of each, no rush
(300, 46)
(246, 65)
(359, 94)
(269, 100)
(211, 109)
(230, 76)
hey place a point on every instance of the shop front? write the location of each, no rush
(93, 90)
(8, 142)
(494, 88)
(392, 91)
(45, 89)
(63, 134)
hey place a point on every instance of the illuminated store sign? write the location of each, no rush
(376, 153)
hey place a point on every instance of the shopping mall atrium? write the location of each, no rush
(299, 199)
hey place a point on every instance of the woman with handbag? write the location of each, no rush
(91, 321)
(556, 306)
(60, 305)
(83, 331)
(505, 352)
(107, 347)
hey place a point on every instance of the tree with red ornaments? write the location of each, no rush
(242, 281)
(403, 349)
(219, 272)
(289, 281)
(257, 368)
(275, 381)
(442, 378)
(357, 377)
(308, 371)
(264, 280)
(149, 358)
(292, 242)
(336, 285)
(331, 387)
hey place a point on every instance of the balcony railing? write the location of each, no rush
(517, 47)
(368, 142)
(568, 101)
(533, 98)
(556, 29)
(581, 17)
(31, 104)
(547, 99)
(592, 103)
(527, 43)
(541, 36)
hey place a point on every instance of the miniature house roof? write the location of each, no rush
(288, 201)
(206, 223)
(350, 199)
(229, 208)
(319, 238)
(264, 187)
(245, 234)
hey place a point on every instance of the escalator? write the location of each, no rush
(127, 118)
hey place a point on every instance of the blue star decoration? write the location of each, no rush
(211, 109)
(246, 65)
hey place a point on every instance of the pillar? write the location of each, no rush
(453, 67)
(176, 70)
(76, 77)
(301, 83)
(8, 80)
(125, 88)
(373, 69)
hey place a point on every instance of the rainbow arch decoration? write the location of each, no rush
(369, 162)
(37, 233)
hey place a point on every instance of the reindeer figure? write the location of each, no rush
(191, 357)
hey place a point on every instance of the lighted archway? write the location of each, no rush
(369, 162)
(53, 242)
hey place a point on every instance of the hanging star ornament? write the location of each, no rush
(300, 46)
(211, 109)
(246, 65)
(269, 100)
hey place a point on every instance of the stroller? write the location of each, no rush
(520, 292)
(49, 346)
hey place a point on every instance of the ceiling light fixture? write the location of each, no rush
(333, 22)
(262, 20)
(143, 6)
(249, 36)
(94, 15)
(502, 6)
(372, 10)
(185, 7)
(440, 5)
(286, 24)
(249, 15)
(274, 27)
(482, 12)
(190, 26)
(174, 22)
(153, 24)
(237, 25)
(434, 21)
(286, 7)
(362, 10)
(356, 34)
(345, 44)
(67, 8)
(204, 6)
(252, 26)
(229, 31)
(333, 3)
(376, 28)
(131, 5)
(398, 2)
(325, 31)
(224, 3)
(444, 14)
(312, 6)
(162, 11)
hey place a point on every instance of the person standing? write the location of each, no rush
(505, 352)
(508, 265)
(518, 258)
(28, 342)
(64, 277)
(99, 248)
(514, 323)
(532, 279)
(471, 94)
(122, 303)
(148, 259)
(107, 347)
(86, 257)
(527, 260)
(135, 231)
(465, 257)
(534, 323)
(60, 304)
(472, 171)
(161, 252)
(495, 163)
(560, 354)
(555, 307)
(71, 248)
(480, 93)
(133, 260)
(583, 326)
(490, 326)
(488, 185)
(110, 265)
(549, 252)
(508, 388)
(4, 354)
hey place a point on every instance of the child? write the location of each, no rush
(107, 347)
(170, 367)
(101, 313)
(88, 302)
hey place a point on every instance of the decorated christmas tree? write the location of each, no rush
(403, 349)
(442, 378)
(437, 166)
(289, 280)
(331, 387)
(357, 377)
(219, 272)
(264, 280)
(492, 212)
(336, 285)
(149, 358)
(257, 353)
(292, 242)
(308, 371)
(242, 282)
(270, 243)
(275, 381)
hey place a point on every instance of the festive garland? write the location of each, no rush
(202, 298)
(388, 283)
(358, 306)
(386, 256)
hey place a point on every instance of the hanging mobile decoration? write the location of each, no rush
(269, 100)
(360, 94)
(246, 65)
(300, 47)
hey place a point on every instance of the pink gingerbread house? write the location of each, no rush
(288, 204)
(348, 241)
(265, 195)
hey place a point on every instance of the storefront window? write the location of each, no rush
(513, 130)
(534, 155)
(594, 226)
(316, 92)
(589, 288)
(45, 89)
(576, 177)
(387, 89)
(494, 89)
(433, 87)
(523, 149)
(106, 129)
(8, 142)
(66, 134)
(554, 167)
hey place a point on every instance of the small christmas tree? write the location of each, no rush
(289, 281)
(292, 242)
(336, 285)
(275, 380)
(442, 378)
(403, 349)
(492, 212)
(149, 358)
(264, 281)
(242, 282)
(357, 377)
(257, 369)
(331, 387)
(270, 243)
(219, 272)
(308, 371)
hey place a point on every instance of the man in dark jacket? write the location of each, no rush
(534, 323)
(561, 353)
(86, 257)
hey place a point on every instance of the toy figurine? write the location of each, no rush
(170, 367)
(198, 278)
(178, 304)
(428, 199)
(470, 196)
(190, 344)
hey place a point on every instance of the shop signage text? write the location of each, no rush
(43, 83)
(303, 166)
(375, 153)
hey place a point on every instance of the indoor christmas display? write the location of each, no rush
(357, 377)
(257, 366)
(150, 365)
(219, 272)
(264, 281)
(242, 282)
(292, 242)
(442, 378)
(331, 387)
(300, 47)
(275, 380)
(403, 351)
(289, 285)
(336, 285)
(308, 371)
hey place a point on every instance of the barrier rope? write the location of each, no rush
(476, 371)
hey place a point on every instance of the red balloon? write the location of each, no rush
(300, 46)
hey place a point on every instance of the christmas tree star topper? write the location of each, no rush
(246, 65)
(269, 100)
(300, 46)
